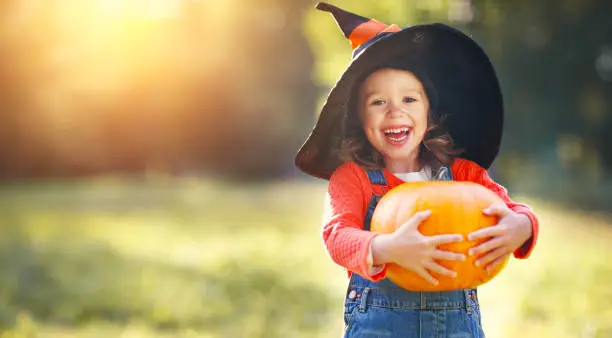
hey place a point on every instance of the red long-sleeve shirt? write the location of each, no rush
(349, 192)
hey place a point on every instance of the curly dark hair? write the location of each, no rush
(437, 148)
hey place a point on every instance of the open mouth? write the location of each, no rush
(397, 135)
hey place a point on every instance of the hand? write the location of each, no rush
(407, 247)
(508, 235)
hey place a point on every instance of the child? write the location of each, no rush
(419, 103)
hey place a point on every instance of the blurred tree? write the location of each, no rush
(91, 88)
(22, 72)
(552, 60)
(262, 97)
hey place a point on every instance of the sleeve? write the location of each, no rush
(477, 174)
(347, 244)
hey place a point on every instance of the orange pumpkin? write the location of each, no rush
(456, 207)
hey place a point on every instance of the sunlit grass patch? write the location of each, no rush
(191, 258)
(563, 289)
(228, 268)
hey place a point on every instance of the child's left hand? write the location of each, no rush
(508, 235)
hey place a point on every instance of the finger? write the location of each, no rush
(490, 231)
(416, 219)
(489, 245)
(426, 276)
(445, 239)
(496, 263)
(435, 267)
(491, 256)
(448, 256)
(500, 210)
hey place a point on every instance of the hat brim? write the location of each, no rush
(467, 86)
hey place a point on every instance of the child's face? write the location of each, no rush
(393, 109)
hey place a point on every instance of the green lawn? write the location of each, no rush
(191, 258)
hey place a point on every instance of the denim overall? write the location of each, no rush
(384, 309)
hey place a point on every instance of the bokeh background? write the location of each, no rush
(147, 179)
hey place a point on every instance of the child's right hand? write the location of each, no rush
(410, 249)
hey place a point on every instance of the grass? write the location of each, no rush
(194, 258)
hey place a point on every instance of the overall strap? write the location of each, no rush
(444, 174)
(376, 177)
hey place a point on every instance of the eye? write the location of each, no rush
(377, 102)
(409, 99)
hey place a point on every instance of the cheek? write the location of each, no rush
(369, 122)
(366, 125)
(370, 133)
(421, 121)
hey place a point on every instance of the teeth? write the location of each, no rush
(398, 139)
(396, 130)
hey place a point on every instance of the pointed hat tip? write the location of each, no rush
(323, 6)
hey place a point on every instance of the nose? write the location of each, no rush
(395, 109)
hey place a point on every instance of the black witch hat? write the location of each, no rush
(466, 84)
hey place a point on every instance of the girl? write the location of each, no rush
(419, 103)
